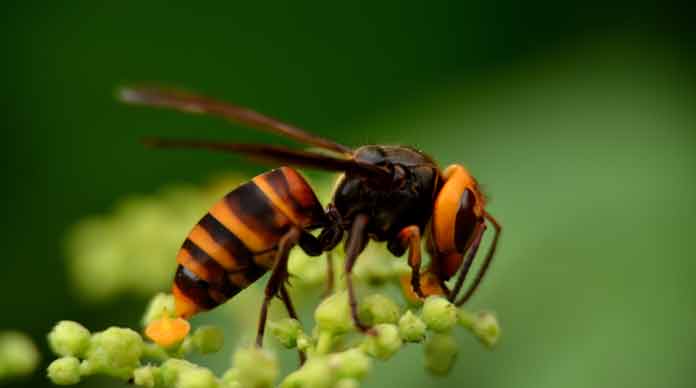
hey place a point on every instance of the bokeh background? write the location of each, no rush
(577, 117)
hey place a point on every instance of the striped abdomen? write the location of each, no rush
(235, 243)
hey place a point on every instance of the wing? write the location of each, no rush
(278, 154)
(192, 103)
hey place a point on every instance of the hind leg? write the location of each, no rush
(278, 276)
(285, 296)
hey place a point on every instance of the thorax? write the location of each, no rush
(391, 205)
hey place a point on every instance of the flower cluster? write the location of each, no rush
(337, 356)
(146, 233)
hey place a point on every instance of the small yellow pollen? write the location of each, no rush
(166, 331)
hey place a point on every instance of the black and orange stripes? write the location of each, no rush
(290, 193)
(235, 243)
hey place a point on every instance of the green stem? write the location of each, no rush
(324, 343)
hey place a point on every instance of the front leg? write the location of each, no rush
(409, 238)
(468, 260)
(486, 261)
(357, 240)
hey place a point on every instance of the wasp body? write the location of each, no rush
(236, 242)
(395, 194)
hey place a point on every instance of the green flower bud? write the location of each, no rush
(171, 369)
(440, 353)
(333, 314)
(306, 270)
(347, 383)
(377, 308)
(18, 355)
(256, 367)
(208, 339)
(411, 328)
(160, 305)
(304, 342)
(439, 314)
(385, 343)
(352, 364)
(487, 329)
(197, 378)
(181, 349)
(286, 331)
(231, 379)
(315, 373)
(154, 351)
(64, 371)
(68, 338)
(146, 376)
(115, 352)
(178, 373)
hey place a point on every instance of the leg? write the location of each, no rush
(354, 246)
(278, 276)
(410, 237)
(285, 296)
(329, 273)
(486, 261)
(466, 265)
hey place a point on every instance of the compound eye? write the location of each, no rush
(465, 221)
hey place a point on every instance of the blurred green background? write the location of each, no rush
(577, 117)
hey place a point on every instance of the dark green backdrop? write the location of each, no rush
(578, 118)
